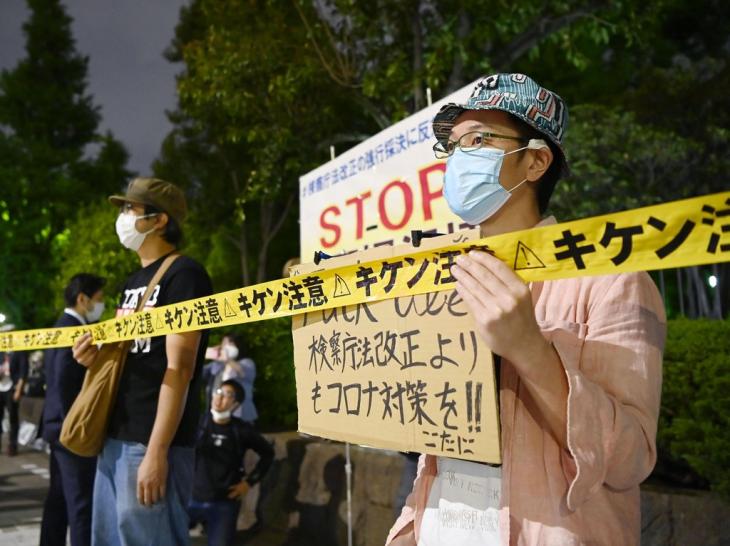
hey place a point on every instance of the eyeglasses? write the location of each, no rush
(469, 142)
(224, 393)
(128, 208)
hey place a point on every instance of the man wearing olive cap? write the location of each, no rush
(142, 484)
(578, 361)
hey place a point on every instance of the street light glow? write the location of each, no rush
(712, 281)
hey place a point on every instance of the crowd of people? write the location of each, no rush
(578, 366)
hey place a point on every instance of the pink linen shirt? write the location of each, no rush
(609, 332)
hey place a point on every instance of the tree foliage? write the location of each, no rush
(391, 50)
(267, 87)
(254, 108)
(89, 243)
(52, 159)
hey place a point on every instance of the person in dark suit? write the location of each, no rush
(69, 500)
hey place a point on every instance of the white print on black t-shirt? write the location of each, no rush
(129, 304)
(132, 295)
(218, 439)
(141, 345)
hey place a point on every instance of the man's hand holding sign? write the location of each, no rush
(501, 304)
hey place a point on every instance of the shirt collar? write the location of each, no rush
(547, 221)
(75, 315)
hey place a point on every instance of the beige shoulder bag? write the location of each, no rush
(84, 428)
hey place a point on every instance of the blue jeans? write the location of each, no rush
(118, 519)
(219, 519)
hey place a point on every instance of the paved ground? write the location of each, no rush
(23, 488)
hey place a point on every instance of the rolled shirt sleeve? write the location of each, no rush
(613, 365)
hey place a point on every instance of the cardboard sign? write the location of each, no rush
(408, 373)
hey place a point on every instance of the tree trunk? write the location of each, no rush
(723, 287)
(269, 230)
(243, 248)
(267, 212)
(691, 298)
(456, 78)
(716, 294)
(242, 241)
(703, 306)
(418, 100)
(680, 288)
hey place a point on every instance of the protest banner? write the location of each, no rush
(408, 373)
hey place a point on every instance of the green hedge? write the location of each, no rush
(694, 425)
(270, 345)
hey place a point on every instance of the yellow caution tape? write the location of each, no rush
(677, 234)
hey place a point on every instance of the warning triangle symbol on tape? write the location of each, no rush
(341, 288)
(159, 325)
(228, 311)
(526, 258)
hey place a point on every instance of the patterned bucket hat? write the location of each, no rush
(515, 94)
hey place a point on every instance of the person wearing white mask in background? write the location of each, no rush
(142, 484)
(578, 361)
(220, 480)
(230, 363)
(68, 504)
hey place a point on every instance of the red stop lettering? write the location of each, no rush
(334, 228)
(427, 194)
(358, 201)
(407, 201)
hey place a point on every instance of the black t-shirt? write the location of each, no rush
(218, 463)
(219, 457)
(139, 387)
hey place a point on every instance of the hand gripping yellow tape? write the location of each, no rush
(677, 234)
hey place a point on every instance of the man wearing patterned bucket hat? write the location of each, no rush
(578, 361)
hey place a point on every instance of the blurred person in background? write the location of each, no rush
(13, 374)
(231, 362)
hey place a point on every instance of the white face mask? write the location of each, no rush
(221, 415)
(96, 311)
(230, 352)
(127, 231)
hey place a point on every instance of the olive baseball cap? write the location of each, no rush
(157, 193)
(515, 94)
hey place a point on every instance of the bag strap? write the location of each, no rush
(164, 266)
